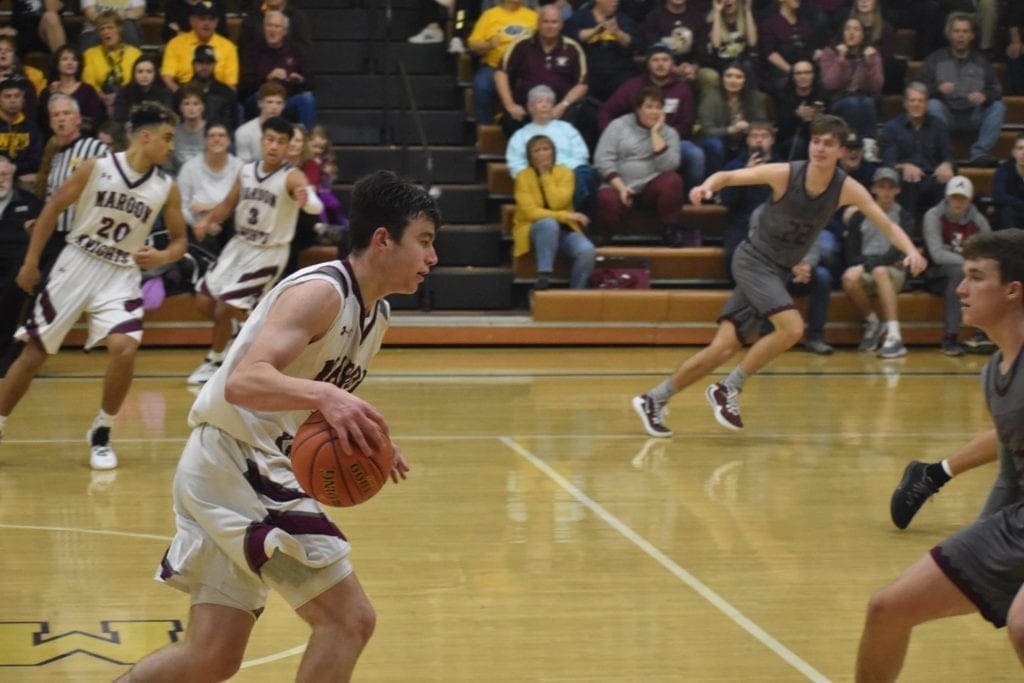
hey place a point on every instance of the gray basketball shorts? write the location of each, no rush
(760, 291)
(986, 561)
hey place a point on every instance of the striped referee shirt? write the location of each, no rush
(65, 161)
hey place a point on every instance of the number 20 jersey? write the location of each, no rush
(115, 212)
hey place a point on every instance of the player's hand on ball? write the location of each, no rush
(357, 423)
(399, 466)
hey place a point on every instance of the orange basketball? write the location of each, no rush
(327, 474)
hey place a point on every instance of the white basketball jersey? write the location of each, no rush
(266, 213)
(340, 357)
(115, 212)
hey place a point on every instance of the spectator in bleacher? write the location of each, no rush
(875, 268)
(434, 16)
(732, 37)
(946, 227)
(825, 17)
(107, 67)
(682, 27)
(18, 211)
(11, 67)
(637, 156)
(1008, 187)
(270, 102)
(802, 100)
(221, 101)
(879, 34)
(784, 39)
(546, 58)
(724, 115)
(65, 78)
(251, 30)
(321, 170)
(610, 39)
(493, 34)
(276, 59)
(300, 156)
(20, 138)
(145, 86)
(916, 144)
(965, 90)
(176, 17)
(38, 25)
(1015, 48)
(205, 180)
(854, 162)
(851, 71)
(545, 219)
(176, 69)
(680, 112)
(129, 11)
(190, 133)
(742, 202)
(570, 147)
(984, 14)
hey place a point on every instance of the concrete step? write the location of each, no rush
(370, 127)
(358, 57)
(450, 164)
(351, 91)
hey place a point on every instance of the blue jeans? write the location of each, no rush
(693, 163)
(484, 93)
(819, 295)
(301, 108)
(714, 154)
(585, 189)
(859, 112)
(548, 238)
(986, 121)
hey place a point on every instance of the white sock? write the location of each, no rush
(215, 356)
(945, 467)
(103, 419)
(893, 328)
(872, 318)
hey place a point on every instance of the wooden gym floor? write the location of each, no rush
(541, 536)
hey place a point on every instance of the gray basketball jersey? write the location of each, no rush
(788, 228)
(1004, 395)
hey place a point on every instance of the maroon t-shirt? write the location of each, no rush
(527, 65)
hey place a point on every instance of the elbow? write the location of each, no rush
(233, 391)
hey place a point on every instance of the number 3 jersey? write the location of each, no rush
(266, 213)
(117, 208)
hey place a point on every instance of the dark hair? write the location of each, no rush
(55, 61)
(215, 123)
(382, 199)
(115, 129)
(1006, 247)
(279, 124)
(145, 57)
(189, 90)
(149, 114)
(648, 92)
(826, 124)
(540, 138)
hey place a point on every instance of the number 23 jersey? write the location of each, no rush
(116, 210)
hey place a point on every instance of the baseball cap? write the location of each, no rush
(655, 49)
(960, 185)
(14, 81)
(853, 141)
(204, 53)
(203, 9)
(886, 173)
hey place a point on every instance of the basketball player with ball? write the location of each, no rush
(244, 524)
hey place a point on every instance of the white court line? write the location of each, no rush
(686, 577)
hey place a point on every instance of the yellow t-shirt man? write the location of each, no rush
(178, 58)
(508, 26)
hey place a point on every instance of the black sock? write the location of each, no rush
(100, 436)
(937, 473)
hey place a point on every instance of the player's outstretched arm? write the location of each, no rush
(303, 193)
(855, 193)
(66, 195)
(776, 175)
(302, 314)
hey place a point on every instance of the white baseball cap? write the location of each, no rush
(961, 185)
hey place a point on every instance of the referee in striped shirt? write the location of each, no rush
(71, 150)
